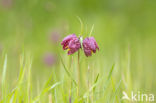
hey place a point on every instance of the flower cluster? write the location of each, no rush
(72, 43)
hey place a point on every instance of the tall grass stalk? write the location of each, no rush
(4, 96)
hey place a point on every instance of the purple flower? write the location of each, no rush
(7, 3)
(89, 46)
(55, 37)
(71, 43)
(49, 59)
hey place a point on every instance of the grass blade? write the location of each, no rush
(87, 94)
(108, 79)
(45, 90)
(97, 77)
(4, 78)
(110, 73)
(68, 73)
(116, 90)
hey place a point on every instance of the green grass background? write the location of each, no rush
(125, 31)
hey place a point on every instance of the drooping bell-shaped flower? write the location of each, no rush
(90, 46)
(71, 43)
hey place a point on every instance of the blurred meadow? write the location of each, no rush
(35, 69)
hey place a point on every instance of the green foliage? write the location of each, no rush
(124, 30)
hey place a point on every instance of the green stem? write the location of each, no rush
(91, 30)
(78, 67)
(81, 25)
